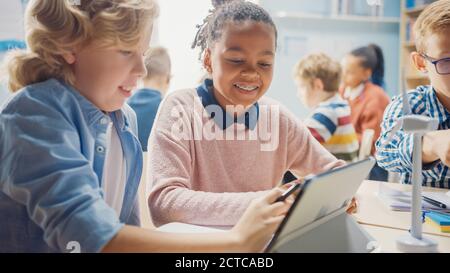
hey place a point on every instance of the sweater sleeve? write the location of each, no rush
(171, 197)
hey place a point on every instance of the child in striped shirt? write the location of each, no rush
(318, 77)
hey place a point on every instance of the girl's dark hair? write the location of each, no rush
(372, 58)
(228, 11)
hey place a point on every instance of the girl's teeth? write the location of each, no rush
(246, 88)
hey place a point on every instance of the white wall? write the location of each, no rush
(11, 20)
(176, 31)
(11, 27)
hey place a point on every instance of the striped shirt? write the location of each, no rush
(396, 156)
(331, 125)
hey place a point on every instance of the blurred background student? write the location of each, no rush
(145, 102)
(318, 77)
(363, 81)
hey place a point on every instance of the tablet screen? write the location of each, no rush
(322, 195)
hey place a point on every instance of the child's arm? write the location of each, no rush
(250, 234)
(43, 169)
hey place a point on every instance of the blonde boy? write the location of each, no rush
(317, 77)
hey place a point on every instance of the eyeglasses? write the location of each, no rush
(442, 66)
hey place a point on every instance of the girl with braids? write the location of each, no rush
(70, 159)
(363, 82)
(210, 178)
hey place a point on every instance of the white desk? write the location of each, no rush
(378, 220)
(386, 225)
(372, 211)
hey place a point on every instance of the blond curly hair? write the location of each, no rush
(57, 27)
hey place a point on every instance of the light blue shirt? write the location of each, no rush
(145, 102)
(52, 151)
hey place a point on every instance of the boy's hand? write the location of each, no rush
(286, 186)
(258, 223)
(436, 146)
(353, 207)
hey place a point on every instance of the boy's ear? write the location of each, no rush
(70, 58)
(419, 62)
(318, 84)
(207, 60)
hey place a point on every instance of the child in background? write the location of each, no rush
(145, 102)
(216, 148)
(318, 77)
(363, 78)
(432, 32)
(70, 160)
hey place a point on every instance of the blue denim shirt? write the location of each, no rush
(52, 152)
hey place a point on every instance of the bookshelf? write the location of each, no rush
(410, 10)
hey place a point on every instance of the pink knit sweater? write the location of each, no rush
(198, 179)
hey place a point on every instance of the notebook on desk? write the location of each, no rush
(439, 220)
(401, 201)
(318, 222)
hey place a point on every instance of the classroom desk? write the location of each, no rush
(386, 225)
(376, 218)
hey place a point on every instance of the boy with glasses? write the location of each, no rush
(432, 32)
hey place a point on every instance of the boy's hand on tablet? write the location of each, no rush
(288, 185)
(353, 207)
(260, 220)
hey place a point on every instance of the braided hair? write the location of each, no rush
(225, 11)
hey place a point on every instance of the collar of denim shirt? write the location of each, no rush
(93, 114)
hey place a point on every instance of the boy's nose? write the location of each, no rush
(140, 70)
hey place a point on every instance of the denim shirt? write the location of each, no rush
(52, 152)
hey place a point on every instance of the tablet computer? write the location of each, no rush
(321, 196)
